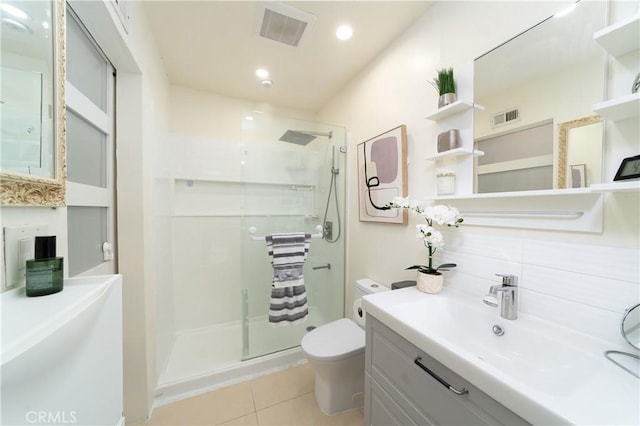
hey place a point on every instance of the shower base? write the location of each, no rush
(210, 358)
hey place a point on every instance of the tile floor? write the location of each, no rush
(283, 398)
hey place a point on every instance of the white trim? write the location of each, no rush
(83, 106)
(79, 194)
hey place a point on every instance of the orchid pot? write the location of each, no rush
(429, 283)
(429, 278)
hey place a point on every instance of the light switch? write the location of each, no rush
(18, 248)
(26, 248)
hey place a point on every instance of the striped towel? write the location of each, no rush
(287, 253)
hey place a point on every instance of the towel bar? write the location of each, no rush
(252, 231)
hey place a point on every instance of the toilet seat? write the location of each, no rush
(336, 340)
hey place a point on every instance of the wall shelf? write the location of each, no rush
(621, 186)
(629, 186)
(619, 108)
(567, 210)
(451, 109)
(621, 37)
(515, 194)
(457, 152)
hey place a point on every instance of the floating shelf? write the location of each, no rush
(516, 194)
(455, 153)
(451, 109)
(621, 37)
(619, 108)
(629, 186)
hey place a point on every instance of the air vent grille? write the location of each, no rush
(282, 28)
(505, 117)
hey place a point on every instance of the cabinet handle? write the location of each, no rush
(418, 362)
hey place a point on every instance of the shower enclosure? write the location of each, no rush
(287, 178)
(281, 176)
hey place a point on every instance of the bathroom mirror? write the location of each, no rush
(550, 74)
(630, 326)
(32, 74)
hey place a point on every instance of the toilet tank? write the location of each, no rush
(366, 286)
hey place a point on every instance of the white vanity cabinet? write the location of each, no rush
(399, 392)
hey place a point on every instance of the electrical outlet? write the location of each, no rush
(19, 244)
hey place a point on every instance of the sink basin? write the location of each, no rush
(529, 350)
(545, 373)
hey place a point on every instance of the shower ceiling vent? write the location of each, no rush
(283, 23)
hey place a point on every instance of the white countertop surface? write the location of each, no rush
(544, 373)
(28, 320)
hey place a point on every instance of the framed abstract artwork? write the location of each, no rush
(382, 175)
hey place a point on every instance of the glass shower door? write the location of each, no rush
(285, 189)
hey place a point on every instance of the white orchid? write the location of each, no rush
(432, 238)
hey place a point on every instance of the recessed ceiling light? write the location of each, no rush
(262, 73)
(266, 83)
(344, 32)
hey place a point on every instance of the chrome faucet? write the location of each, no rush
(508, 300)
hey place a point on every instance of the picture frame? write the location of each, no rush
(382, 175)
(577, 176)
(629, 169)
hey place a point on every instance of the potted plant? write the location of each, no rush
(446, 86)
(430, 279)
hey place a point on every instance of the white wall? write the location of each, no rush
(143, 165)
(394, 90)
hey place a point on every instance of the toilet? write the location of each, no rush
(336, 352)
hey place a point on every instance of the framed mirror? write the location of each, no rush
(533, 88)
(32, 137)
(579, 152)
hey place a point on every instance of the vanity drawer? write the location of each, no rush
(381, 409)
(390, 360)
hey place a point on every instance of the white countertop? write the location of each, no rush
(544, 373)
(28, 320)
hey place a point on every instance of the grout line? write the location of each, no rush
(253, 398)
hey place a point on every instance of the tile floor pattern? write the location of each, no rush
(283, 398)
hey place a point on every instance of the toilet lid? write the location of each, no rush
(337, 339)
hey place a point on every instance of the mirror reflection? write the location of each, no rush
(631, 326)
(534, 87)
(580, 152)
(27, 76)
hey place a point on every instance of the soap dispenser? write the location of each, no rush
(45, 272)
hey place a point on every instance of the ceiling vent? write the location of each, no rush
(505, 117)
(283, 23)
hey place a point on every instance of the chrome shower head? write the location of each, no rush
(302, 137)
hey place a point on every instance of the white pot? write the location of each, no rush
(430, 283)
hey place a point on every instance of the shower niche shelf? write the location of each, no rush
(293, 184)
(196, 196)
